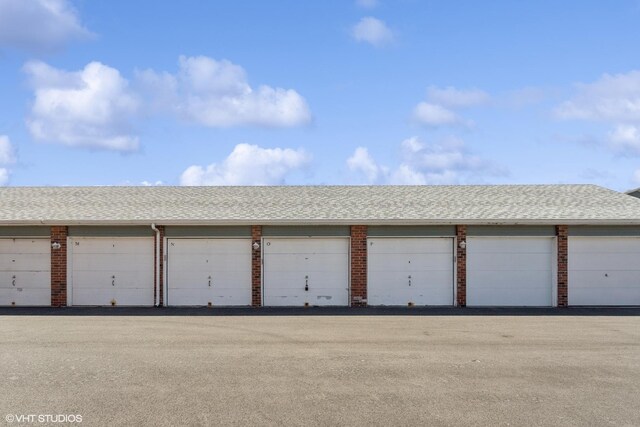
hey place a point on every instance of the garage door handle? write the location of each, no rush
(409, 280)
(14, 281)
(113, 280)
(209, 280)
(306, 283)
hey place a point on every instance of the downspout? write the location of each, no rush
(156, 277)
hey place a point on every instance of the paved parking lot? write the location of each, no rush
(323, 370)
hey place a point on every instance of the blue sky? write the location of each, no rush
(109, 92)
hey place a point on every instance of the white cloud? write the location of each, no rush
(7, 153)
(625, 139)
(216, 94)
(39, 25)
(248, 165)
(89, 108)
(373, 31)
(438, 111)
(452, 97)
(151, 183)
(361, 162)
(447, 162)
(4, 177)
(367, 4)
(7, 157)
(612, 98)
(435, 115)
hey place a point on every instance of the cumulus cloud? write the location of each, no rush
(217, 94)
(248, 165)
(7, 153)
(614, 100)
(89, 108)
(446, 162)
(625, 139)
(7, 157)
(4, 177)
(39, 25)
(373, 31)
(438, 109)
(362, 163)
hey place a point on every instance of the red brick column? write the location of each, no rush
(256, 266)
(461, 265)
(156, 273)
(59, 267)
(358, 266)
(563, 275)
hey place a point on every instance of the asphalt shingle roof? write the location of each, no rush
(482, 204)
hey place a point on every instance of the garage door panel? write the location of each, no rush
(429, 262)
(91, 279)
(117, 268)
(599, 262)
(502, 245)
(25, 272)
(107, 246)
(24, 246)
(133, 296)
(33, 296)
(322, 263)
(508, 261)
(27, 279)
(187, 262)
(410, 262)
(512, 280)
(25, 262)
(410, 246)
(604, 270)
(501, 296)
(306, 246)
(510, 271)
(92, 296)
(192, 261)
(604, 245)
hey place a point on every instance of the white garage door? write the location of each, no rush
(106, 271)
(604, 271)
(25, 271)
(410, 270)
(209, 271)
(314, 271)
(510, 271)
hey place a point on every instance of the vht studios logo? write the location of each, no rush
(43, 418)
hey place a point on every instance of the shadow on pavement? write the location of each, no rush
(319, 311)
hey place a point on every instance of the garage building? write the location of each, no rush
(514, 245)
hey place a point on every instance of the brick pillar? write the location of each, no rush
(461, 266)
(256, 267)
(59, 267)
(156, 273)
(358, 266)
(563, 275)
